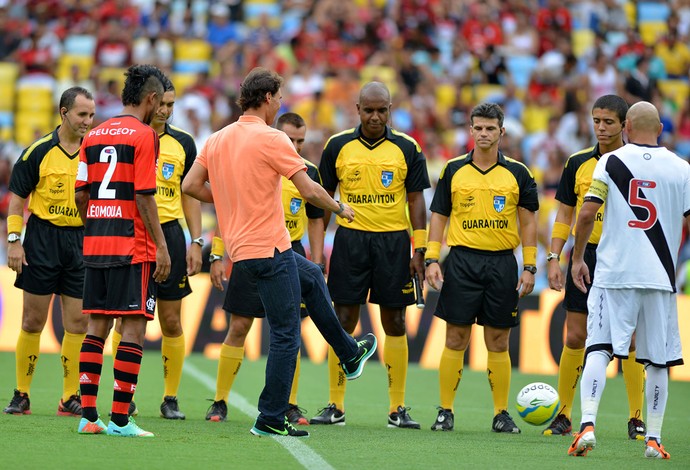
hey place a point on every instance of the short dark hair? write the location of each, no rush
(488, 111)
(167, 84)
(255, 86)
(613, 103)
(70, 95)
(141, 80)
(293, 119)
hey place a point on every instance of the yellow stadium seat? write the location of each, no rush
(446, 94)
(7, 91)
(31, 125)
(8, 71)
(8, 85)
(380, 73)
(67, 61)
(652, 31)
(473, 94)
(630, 11)
(675, 90)
(112, 73)
(582, 40)
(193, 50)
(33, 99)
(182, 81)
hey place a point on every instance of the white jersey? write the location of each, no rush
(647, 192)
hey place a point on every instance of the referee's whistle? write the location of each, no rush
(419, 293)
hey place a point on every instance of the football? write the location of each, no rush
(538, 403)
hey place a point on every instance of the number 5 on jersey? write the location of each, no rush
(636, 200)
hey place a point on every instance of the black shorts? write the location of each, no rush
(121, 290)
(575, 300)
(371, 261)
(55, 259)
(242, 295)
(479, 286)
(176, 286)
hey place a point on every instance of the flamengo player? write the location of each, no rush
(124, 246)
(646, 188)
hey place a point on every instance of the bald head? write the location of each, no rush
(643, 124)
(374, 91)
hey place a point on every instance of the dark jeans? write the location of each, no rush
(282, 281)
(320, 307)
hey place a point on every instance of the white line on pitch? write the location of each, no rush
(307, 457)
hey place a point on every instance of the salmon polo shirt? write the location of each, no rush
(245, 162)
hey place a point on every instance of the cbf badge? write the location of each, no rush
(386, 178)
(168, 170)
(499, 203)
(295, 205)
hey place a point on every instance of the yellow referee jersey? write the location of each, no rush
(374, 177)
(482, 205)
(47, 173)
(177, 154)
(296, 209)
(575, 181)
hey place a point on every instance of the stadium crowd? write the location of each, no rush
(543, 61)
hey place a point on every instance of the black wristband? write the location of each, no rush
(322, 266)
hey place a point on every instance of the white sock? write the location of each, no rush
(592, 384)
(657, 395)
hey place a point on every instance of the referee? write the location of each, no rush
(488, 198)
(50, 260)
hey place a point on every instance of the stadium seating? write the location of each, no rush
(8, 78)
(675, 90)
(67, 61)
(192, 56)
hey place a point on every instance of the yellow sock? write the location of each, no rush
(228, 366)
(172, 351)
(295, 381)
(498, 370)
(633, 375)
(117, 337)
(71, 347)
(26, 357)
(450, 373)
(336, 381)
(569, 371)
(395, 357)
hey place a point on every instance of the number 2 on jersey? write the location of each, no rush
(108, 154)
(635, 200)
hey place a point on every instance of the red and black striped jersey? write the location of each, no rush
(117, 161)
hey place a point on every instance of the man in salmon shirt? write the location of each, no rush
(252, 225)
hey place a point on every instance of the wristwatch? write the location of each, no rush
(530, 269)
(429, 261)
(13, 237)
(199, 241)
(342, 208)
(553, 255)
(212, 258)
(421, 250)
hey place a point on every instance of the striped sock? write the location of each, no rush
(90, 365)
(125, 374)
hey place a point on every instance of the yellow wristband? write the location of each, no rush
(529, 255)
(419, 238)
(560, 230)
(15, 224)
(433, 250)
(218, 247)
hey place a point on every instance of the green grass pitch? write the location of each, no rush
(44, 440)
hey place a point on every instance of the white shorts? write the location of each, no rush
(615, 314)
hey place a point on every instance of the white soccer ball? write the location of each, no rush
(538, 403)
